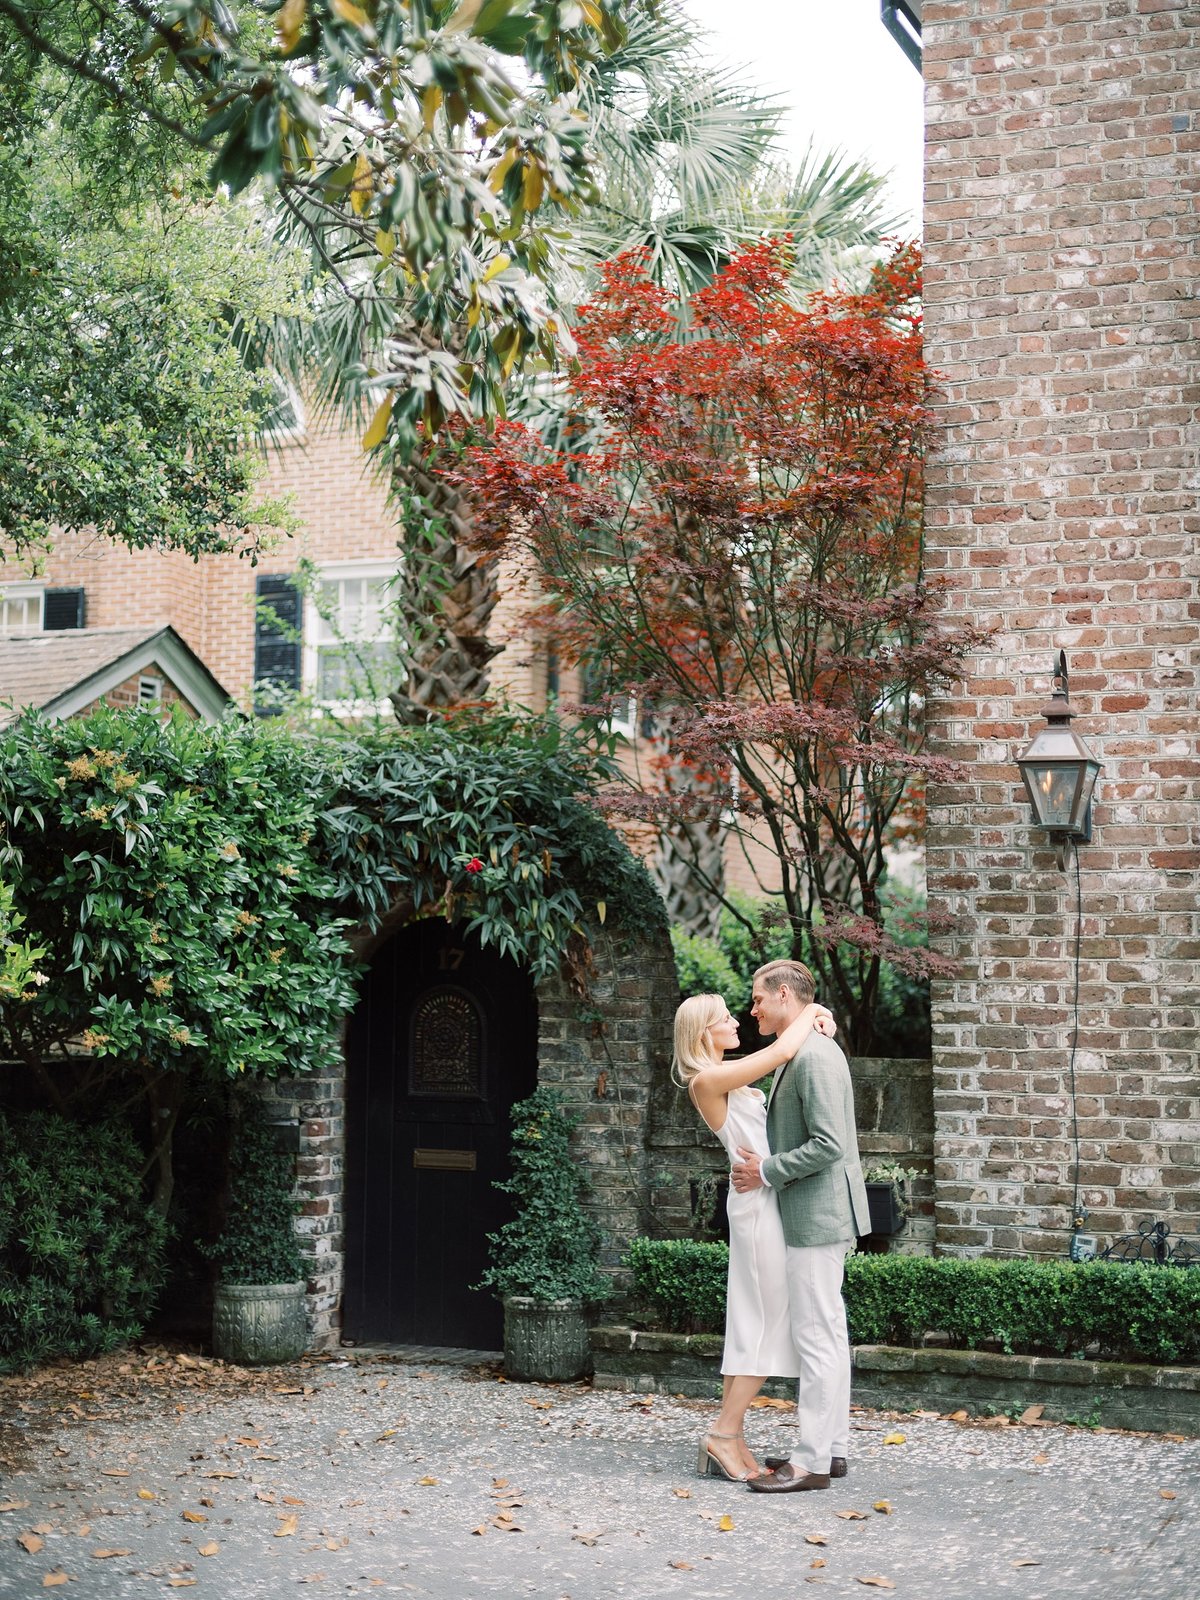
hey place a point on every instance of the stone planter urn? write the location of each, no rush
(259, 1325)
(545, 1341)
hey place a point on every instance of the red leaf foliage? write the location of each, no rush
(738, 542)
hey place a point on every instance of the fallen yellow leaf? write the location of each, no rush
(815, 1538)
(1167, 1494)
(287, 1526)
(682, 1494)
(817, 1561)
(851, 1516)
(15, 1505)
(146, 1494)
(1031, 1414)
(680, 1566)
(212, 1548)
(894, 1438)
(31, 1542)
(290, 1500)
(482, 1528)
(726, 1524)
(180, 1583)
(1040, 1459)
(1027, 1561)
(53, 1579)
(193, 1516)
(427, 1482)
(107, 1555)
(114, 1472)
(877, 1583)
(958, 1416)
(884, 1507)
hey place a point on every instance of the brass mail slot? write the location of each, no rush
(445, 1160)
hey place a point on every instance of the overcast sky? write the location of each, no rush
(843, 78)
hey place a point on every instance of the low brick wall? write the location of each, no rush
(1114, 1394)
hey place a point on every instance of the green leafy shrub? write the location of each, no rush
(1129, 1312)
(258, 1242)
(704, 968)
(81, 1252)
(680, 1282)
(550, 1249)
(753, 932)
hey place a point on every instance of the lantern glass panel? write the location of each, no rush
(1056, 788)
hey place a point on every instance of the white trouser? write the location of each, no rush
(818, 1322)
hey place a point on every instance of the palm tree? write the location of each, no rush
(686, 170)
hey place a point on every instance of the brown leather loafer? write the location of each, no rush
(786, 1480)
(837, 1465)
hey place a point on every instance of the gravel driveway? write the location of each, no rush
(153, 1471)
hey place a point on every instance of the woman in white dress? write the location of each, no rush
(758, 1342)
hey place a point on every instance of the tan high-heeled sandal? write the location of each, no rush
(709, 1466)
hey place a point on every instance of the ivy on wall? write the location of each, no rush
(189, 887)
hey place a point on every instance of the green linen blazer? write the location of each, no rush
(814, 1166)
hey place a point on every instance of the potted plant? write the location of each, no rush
(886, 1183)
(258, 1303)
(544, 1263)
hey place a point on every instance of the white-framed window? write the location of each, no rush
(623, 721)
(350, 659)
(21, 608)
(623, 708)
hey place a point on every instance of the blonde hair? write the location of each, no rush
(692, 1050)
(794, 973)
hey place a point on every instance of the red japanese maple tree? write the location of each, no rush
(738, 541)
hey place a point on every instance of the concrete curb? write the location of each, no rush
(1115, 1394)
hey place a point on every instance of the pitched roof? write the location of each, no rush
(63, 672)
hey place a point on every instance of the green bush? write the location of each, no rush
(1130, 1312)
(81, 1253)
(680, 1282)
(703, 968)
(550, 1249)
(258, 1242)
(760, 932)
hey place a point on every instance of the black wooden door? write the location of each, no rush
(442, 1042)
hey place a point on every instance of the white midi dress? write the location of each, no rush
(758, 1338)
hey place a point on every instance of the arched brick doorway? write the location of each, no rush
(443, 1041)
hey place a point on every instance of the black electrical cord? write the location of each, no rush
(1078, 1217)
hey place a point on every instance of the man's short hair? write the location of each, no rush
(794, 973)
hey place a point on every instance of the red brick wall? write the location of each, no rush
(344, 517)
(125, 695)
(1062, 172)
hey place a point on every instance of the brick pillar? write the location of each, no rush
(1062, 170)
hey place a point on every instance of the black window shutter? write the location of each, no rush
(277, 622)
(63, 608)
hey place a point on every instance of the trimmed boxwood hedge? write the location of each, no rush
(1132, 1312)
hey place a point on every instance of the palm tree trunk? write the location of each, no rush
(446, 596)
(688, 866)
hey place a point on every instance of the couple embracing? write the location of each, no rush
(796, 1205)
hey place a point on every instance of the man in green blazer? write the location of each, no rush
(814, 1169)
